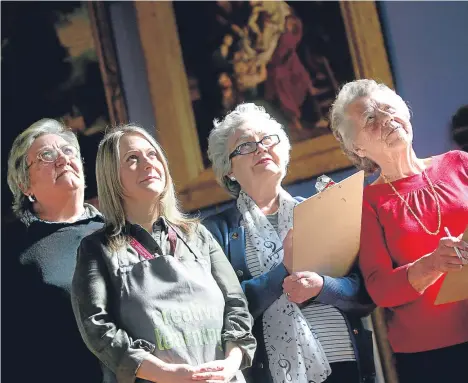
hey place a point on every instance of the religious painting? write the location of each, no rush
(289, 57)
(204, 58)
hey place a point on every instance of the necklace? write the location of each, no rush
(411, 210)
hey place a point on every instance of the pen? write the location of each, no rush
(456, 248)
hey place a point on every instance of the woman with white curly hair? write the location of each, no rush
(307, 325)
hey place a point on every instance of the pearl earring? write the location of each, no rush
(31, 198)
(233, 178)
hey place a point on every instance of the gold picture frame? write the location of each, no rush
(105, 50)
(175, 122)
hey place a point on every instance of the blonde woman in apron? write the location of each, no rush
(154, 296)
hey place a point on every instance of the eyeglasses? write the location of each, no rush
(51, 155)
(251, 146)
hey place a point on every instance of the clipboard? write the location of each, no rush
(455, 285)
(327, 228)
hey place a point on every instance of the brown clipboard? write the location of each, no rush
(327, 228)
(455, 285)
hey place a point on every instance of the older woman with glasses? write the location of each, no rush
(45, 175)
(307, 325)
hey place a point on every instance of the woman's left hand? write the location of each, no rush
(302, 286)
(228, 368)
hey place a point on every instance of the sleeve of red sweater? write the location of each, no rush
(387, 286)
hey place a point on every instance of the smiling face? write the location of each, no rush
(48, 180)
(381, 125)
(142, 173)
(264, 164)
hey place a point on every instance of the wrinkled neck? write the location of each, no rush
(268, 202)
(67, 209)
(400, 165)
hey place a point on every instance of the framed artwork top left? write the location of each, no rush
(58, 61)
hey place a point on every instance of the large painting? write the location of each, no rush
(203, 58)
(58, 62)
(288, 57)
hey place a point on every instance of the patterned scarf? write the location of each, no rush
(294, 352)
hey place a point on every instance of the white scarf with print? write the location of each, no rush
(294, 352)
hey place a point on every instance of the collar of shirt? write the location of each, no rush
(154, 242)
(160, 225)
(90, 212)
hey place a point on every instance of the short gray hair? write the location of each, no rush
(110, 189)
(18, 173)
(218, 149)
(340, 125)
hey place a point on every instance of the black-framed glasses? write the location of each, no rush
(251, 146)
(50, 155)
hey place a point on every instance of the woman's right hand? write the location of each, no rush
(429, 268)
(183, 373)
(444, 258)
(155, 370)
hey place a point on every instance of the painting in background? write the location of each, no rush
(51, 68)
(289, 57)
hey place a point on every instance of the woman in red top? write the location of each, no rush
(405, 251)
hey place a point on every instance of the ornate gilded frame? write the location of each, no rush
(175, 121)
(105, 50)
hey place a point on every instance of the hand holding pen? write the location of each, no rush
(462, 255)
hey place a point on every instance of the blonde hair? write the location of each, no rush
(18, 172)
(110, 189)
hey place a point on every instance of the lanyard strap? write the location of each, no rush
(140, 249)
(172, 237)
